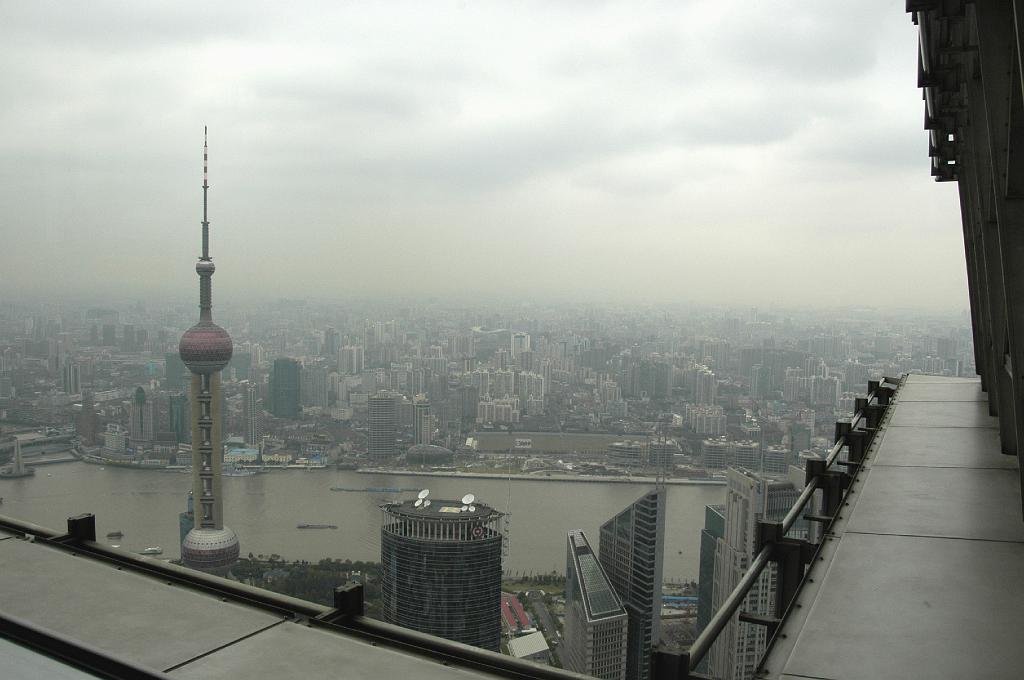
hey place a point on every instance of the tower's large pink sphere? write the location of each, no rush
(205, 348)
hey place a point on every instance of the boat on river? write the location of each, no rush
(376, 489)
(317, 526)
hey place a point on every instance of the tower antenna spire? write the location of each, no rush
(206, 187)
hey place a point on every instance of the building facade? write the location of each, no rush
(142, 415)
(71, 375)
(382, 425)
(596, 624)
(252, 415)
(284, 389)
(423, 422)
(441, 569)
(714, 529)
(749, 497)
(313, 389)
(631, 554)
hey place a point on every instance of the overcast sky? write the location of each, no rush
(736, 152)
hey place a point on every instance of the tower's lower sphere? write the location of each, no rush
(205, 348)
(209, 548)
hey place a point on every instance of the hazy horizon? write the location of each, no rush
(710, 154)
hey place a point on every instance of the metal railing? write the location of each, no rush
(344, 618)
(790, 555)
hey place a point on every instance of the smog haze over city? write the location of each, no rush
(706, 152)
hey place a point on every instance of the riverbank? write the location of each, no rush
(546, 478)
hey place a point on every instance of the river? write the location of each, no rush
(264, 510)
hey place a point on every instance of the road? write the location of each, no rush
(546, 623)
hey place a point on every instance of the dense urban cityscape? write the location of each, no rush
(311, 384)
(710, 396)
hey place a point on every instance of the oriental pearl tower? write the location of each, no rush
(206, 349)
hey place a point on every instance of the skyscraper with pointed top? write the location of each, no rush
(206, 349)
(632, 552)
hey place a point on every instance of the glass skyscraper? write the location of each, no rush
(284, 389)
(631, 553)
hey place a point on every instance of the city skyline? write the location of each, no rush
(628, 157)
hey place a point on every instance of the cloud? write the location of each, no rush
(351, 140)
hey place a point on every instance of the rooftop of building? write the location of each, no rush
(447, 510)
(528, 645)
(598, 596)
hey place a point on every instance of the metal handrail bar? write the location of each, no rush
(834, 451)
(702, 645)
(718, 622)
(798, 507)
(20, 526)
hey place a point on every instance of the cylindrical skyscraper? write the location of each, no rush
(206, 349)
(442, 569)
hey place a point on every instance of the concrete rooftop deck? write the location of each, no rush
(923, 574)
(176, 629)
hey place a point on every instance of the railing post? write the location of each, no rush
(348, 603)
(815, 467)
(859, 404)
(832, 484)
(856, 441)
(348, 599)
(671, 665)
(82, 527)
(842, 427)
(872, 387)
(873, 415)
(790, 556)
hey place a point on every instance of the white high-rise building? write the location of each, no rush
(503, 383)
(72, 374)
(351, 360)
(252, 415)
(530, 388)
(705, 388)
(313, 390)
(520, 343)
(423, 422)
(749, 498)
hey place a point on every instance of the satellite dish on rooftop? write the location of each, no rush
(468, 499)
(472, 508)
(418, 503)
(464, 508)
(423, 494)
(426, 504)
